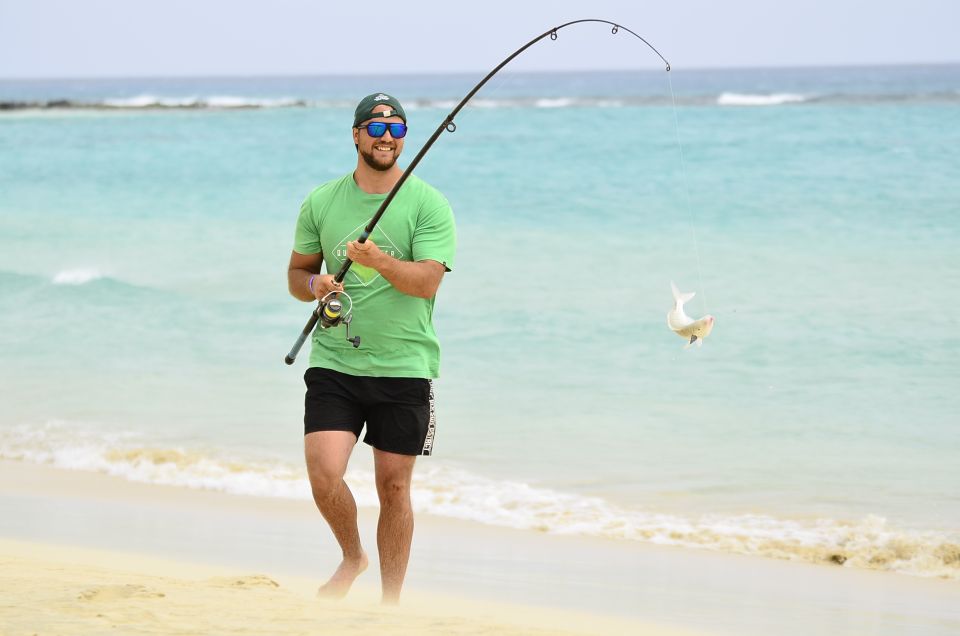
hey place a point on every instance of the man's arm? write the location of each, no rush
(420, 279)
(301, 268)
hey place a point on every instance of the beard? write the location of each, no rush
(378, 164)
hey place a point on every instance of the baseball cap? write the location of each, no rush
(367, 104)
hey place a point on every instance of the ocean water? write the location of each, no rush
(145, 228)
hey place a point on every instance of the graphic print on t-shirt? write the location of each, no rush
(360, 273)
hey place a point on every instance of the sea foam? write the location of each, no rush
(558, 102)
(772, 99)
(76, 276)
(450, 491)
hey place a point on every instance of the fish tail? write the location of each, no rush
(680, 298)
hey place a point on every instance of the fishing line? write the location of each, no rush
(686, 192)
(490, 93)
(333, 316)
(495, 88)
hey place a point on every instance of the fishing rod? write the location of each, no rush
(329, 311)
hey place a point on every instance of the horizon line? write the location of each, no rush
(786, 67)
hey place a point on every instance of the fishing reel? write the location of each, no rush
(332, 314)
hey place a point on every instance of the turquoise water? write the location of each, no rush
(145, 227)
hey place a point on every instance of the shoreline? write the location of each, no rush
(654, 588)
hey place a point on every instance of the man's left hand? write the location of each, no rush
(366, 254)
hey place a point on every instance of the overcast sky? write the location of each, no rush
(131, 38)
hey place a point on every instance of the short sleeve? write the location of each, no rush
(435, 237)
(306, 240)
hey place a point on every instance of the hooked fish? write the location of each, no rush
(684, 326)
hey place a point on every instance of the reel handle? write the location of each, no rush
(329, 313)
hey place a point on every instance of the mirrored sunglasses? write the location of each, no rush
(379, 128)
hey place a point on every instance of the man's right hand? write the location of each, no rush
(323, 284)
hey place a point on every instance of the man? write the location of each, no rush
(386, 382)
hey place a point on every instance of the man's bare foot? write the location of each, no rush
(339, 584)
(392, 598)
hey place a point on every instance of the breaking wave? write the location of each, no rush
(444, 490)
(772, 99)
(76, 276)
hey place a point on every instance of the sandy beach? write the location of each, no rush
(68, 590)
(88, 553)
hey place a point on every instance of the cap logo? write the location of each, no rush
(381, 97)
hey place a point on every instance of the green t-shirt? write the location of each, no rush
(396, 330)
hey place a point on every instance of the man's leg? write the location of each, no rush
(395, 528)
(327, 453)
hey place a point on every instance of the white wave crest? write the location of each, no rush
(149, 101)
(125, 455)
(228, 101)
(610, 103)
(215, 101)
(559, 102)
(449, 491)
(76, 276)
(772, 99)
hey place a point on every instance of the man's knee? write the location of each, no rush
(393, 490)
(324, 486)
(325, 480)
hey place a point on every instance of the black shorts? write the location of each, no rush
(398, 412)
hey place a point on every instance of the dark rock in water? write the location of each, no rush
(199, 104)
(53, 103)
